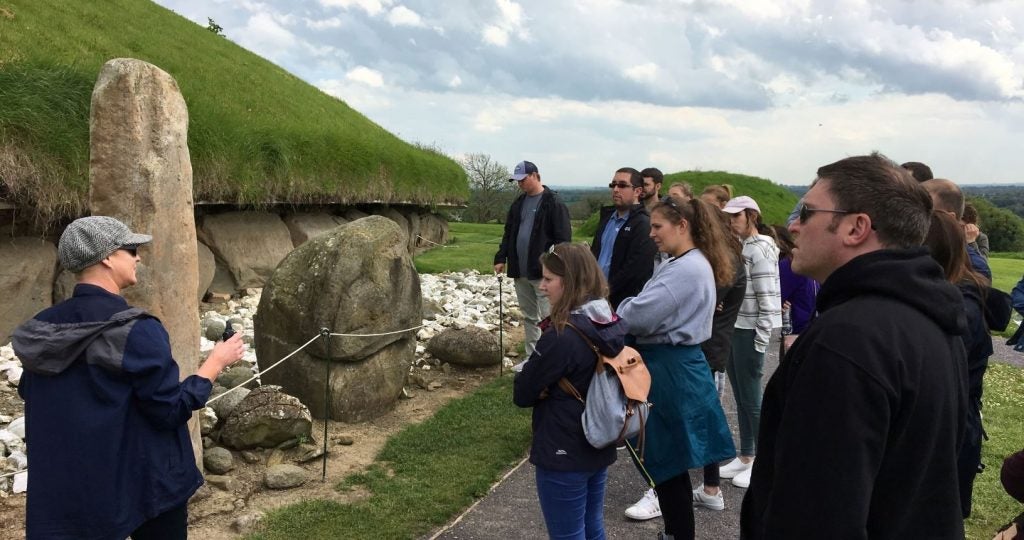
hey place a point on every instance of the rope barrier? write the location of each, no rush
(274, 365)
(433, 242)
(254, 377)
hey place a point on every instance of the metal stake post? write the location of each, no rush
(326, 334)
(501, 328)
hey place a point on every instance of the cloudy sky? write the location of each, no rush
(772, 88)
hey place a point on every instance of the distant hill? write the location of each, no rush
(257, 134)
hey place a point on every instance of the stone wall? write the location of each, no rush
(237, 249)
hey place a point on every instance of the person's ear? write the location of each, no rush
(856, 231)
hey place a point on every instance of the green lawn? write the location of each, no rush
(471, 246)
(423, 477)
(1004, 422)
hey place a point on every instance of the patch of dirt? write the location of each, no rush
(213, 509)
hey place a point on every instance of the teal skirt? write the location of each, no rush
(687, 427)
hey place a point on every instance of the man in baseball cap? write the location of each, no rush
(104, 409)
(537, 220)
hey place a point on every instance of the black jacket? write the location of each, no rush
(550, 226)
(558, 440)
(862, 421)
(717, 348)
(632, 254)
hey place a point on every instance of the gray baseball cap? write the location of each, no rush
(89, 240)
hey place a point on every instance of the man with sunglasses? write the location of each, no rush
(863, 419)
(537, 220)
(622, 243)
(105, 413)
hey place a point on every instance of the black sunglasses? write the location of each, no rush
(623, 185)
(806, 213)
(132, 250)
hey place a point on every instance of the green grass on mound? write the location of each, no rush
(423, 477)
(257, 134)
(775, 201)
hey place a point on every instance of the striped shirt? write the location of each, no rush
(761, 309)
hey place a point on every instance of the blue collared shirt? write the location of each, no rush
(611, 232)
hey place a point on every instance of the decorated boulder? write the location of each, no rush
(355, 279)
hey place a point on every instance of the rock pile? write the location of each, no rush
(451, 302)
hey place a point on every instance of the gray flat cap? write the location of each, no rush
(89, 240)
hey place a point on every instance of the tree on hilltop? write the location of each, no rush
(490, 192)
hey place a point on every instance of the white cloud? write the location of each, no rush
(324, 24)
(455, 82)
(263, 34)
(511, 13)
(644, 73)
(403, 16)
(357, 96)
(372, 7)
(495, 36)
(365, 75)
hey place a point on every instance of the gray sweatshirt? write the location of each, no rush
(677, 304)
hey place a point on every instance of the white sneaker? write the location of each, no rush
(646, 508)
(734, 467)
(711, 502)
(743, 479)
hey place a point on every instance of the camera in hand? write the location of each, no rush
(228, 331)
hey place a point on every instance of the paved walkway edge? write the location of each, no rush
(480, 500)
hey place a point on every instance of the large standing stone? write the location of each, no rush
(306, 225)
(251, 244)
(356, 279)
(469, 346)
(26, 281)
(266, 418)
(140, 173)
(397, 217)
(413, 217)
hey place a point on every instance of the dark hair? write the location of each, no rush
(784, 240)
(948, 246)
(970, 214)
(899, 208)
(582, 279)
(635, 179)
(721, 193)
(655, 174)
(707, 233)
(946, 195)
(920, 171)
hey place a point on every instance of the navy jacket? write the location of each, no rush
(550, 226)
(558, 440)
(632, 254)
(105, 418)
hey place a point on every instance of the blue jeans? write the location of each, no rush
(572, 503)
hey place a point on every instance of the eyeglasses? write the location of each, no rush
(806, 213)
(131, 250)
(621, 185)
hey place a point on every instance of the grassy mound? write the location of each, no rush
(257, 134)
(775, 201)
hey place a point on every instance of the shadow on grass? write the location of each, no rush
(423, 477)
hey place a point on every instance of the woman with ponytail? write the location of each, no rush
(669, 320)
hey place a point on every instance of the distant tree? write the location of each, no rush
(590, 203)
(1005, 229)
(490, 192)
(212, 26)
